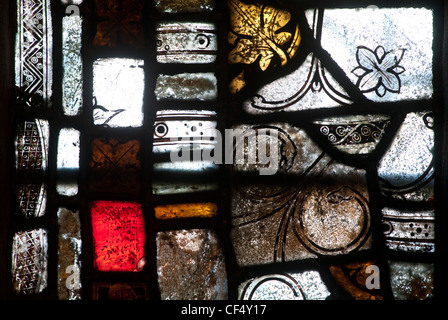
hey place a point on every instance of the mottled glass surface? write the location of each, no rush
(325, 211)
(118, 236)
(115, 165)
(306, 285)
(174, 6)
(72, 65)
(186, 210)
(190, 265)
(406, 170)
(68, 162)
(409, 230)
(69, 255)
(411, 280)
(186, 42)
(186, 86)
(29, 261)
(118, 86)
(386, 52)
(34, 45)
(120, 291)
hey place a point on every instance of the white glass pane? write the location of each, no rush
(118, 86)
(68, 161)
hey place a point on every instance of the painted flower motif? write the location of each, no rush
(379, 70)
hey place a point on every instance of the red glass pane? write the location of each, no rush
(118, 235)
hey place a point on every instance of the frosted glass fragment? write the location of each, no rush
(409, 230)
(29, 261)
(186, 42)
(72, 65)
(32, 199)
(32, 145)
(386, 52)
(69, 254)
(190, 265)
(174, 6)
(118, 86)
(354, 134)
(68, 162)
(325, 211)
(306, 285)
(34, 45)
(186, 86)
(176, 130)
(406, 170)
(411, 280)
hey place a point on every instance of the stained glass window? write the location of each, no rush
(216, 150)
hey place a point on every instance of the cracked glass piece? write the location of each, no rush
(120, 23)
(186, 210)
(353, 278)
(354, 134)
(306, 285)
(72, 65)
(120, 291)
(186, 86)
(115, 165)
(174, 6)
(409, 230)
(406, 170)
(411, 280)
(69, 255)
(386, 52)
(118, 236)
(29, 261)
(186, 42)
(34, 45)
(68, 162)
(190, 265)
(325, 211)
(32, 145)
(118, 86)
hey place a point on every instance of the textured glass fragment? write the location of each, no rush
(115, 164)
(186, 210)
(409, 230)
(354, 278)
(306, 285)
(118, 236)
(174, 6)
(32, 145)
(406, 170)
(72, 65)
(190, 265)
(354, 134)
(387, 52)
(118, 86)
(260, 36)
(68, 162)
(34, 45)
(411, 280)
(186, 42)
(69, 255)
(186, 86)
(120, 291)
(119, 23)
(32, 199)
(29, 261)
(325, 211)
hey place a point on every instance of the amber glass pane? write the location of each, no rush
(187, 210)
(120, 23)
(115, 164)
(118, 235)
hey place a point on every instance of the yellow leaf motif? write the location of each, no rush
(255, 34)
